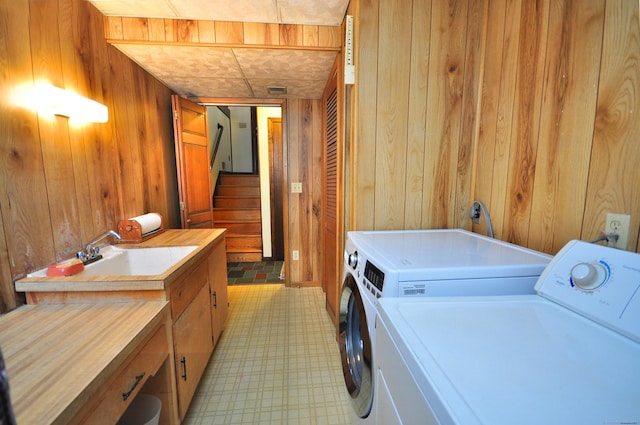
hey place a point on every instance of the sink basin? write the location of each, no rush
(132, 261)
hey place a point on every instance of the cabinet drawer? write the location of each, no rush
(126, 386)
(184, 291)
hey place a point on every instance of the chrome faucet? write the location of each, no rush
(91, 252)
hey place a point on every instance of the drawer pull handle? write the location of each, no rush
(184, 367)
(215, 299)
(126, 395)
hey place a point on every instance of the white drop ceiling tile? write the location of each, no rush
(285, 64)
(136, 8)
(309, 12)
(209, 87)
(296, 89)
(226, 10)
(188, 61)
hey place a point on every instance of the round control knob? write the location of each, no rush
(353, 259)
(588, 275)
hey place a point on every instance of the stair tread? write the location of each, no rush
(231, 249)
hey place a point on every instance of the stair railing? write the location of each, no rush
(216, 145)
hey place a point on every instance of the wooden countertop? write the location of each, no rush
(57, 356)
(203, 238)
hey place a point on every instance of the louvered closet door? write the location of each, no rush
(331, 281)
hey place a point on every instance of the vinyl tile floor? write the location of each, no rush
(277, 362)
(251, 273)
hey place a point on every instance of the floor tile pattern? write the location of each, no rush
(259, 272)
(277, 362)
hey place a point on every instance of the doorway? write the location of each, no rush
(252, 143)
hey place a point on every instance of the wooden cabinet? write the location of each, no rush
(192, 340)
(193, 347)
(126, 386)
(218, 289)
(197, 294)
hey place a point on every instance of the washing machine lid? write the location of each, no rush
(446, 254)
(514, 359)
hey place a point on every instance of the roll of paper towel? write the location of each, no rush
(149, 223)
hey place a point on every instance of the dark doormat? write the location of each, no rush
(260, 272)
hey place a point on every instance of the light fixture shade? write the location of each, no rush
(53, 100)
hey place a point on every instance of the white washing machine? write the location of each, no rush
(568, 355)
(417, 263)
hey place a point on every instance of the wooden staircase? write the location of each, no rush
(236, 207)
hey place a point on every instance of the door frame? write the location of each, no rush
(282, 103)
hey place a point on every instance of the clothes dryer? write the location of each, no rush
(567, 355)
(417, 263)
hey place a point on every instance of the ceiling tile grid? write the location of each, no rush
(210, 71)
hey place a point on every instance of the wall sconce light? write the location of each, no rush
(56, 101)
(47, 99)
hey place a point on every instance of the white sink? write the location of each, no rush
(132, 261)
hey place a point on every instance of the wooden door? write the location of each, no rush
(192, 160)
(276, 181)
(331, 251)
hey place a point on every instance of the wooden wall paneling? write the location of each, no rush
(72, 21)
(135, 29)
(394, 59)
(150, 148)
(171, 30)
(330, 36)
(125, 144)
(317, 201)
(291, 35)
(187, 31)
(310, 36)
(26, 234)
(158, 154)
(472, 88)
(61, 184)
(294, 223)
(261, 34)
(362, 191)
(525, 120)
(54, 132)
(566, 127)
(206, 31)
(494, 137)
(444, 109)
(113, 28)
(305, 172)
(102, 159)
(613, 172)
(156, 29)
(229, 33)
(417, 112)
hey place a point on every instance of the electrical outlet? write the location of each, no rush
(295, 255)
(618, 224)
(296, 187)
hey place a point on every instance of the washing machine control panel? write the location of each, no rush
(374, 279)
(598, 282)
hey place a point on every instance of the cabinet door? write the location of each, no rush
(218, 287)
(193, 347)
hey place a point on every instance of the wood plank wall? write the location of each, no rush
(529, 106)
(304, 164)
(61, 185)
(221, 33)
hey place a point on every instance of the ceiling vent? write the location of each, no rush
(277, 90)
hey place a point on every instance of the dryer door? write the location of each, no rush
(355, 347)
